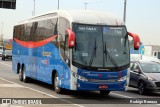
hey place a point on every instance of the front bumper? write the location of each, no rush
(153, 86)
(117, 86)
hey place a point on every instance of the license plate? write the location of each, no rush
(103, 87)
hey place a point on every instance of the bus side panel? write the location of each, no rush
(24, 56)
(15, 58)
(67, 76)
(18, 56)
(48, 59)
(39, 64)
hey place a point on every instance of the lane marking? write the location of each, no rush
(121, 95)
(39, 91)
(43, 93)
(11, 85)
(6, 64)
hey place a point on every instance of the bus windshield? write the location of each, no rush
(98, 46)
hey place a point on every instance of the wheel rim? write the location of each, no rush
(24, 75)
(20, 74)
(141, 88)
(56, 83)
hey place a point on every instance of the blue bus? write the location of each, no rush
(74, 50)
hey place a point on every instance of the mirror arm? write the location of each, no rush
(136, 40)
(71, 38)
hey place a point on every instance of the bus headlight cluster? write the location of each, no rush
(123, 79)
(79, 77)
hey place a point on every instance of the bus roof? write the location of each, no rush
(80, 16)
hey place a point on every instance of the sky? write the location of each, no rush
(142, 16)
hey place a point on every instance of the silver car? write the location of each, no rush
(145, 75)
(7, 54)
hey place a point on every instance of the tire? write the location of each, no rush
(3, 58)
(20, 75)
(57, 88)
(25, 78)
(141, 88)
(104, 92)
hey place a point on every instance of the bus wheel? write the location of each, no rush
(56, 84)
(25, 79)
(104, 92)
(20, 74)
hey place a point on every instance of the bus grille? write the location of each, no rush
(105, 81)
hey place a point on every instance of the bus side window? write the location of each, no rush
(63, 37)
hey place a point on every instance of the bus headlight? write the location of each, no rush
(122, 78)
(79, 77)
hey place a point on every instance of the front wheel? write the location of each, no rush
(141, 88)
(104, 92)
(3, 58)
(57, 88)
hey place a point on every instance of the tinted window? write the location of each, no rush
(63, 37)
(36, 31)
(150, 67)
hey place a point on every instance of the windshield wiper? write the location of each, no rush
(93, 53)
(107, 53)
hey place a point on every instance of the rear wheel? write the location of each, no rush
(19, 71)
(57, 88)
(141, 88)
(104, 92)
(25, 78)
(20, 74)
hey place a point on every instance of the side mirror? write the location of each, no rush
(136, 40)
(71, 38)
(136, 70)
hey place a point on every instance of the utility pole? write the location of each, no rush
(58, 4)
(1, 27)
(85, 4)
(34, 8)
(124, 16)
(2, 33)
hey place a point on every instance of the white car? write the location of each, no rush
(138, 57)
(1, 50)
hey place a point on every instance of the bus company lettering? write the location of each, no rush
(46, 53)
(87, 28)
(112, 76)
(44, 62)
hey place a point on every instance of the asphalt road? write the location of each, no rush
(11, 87)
